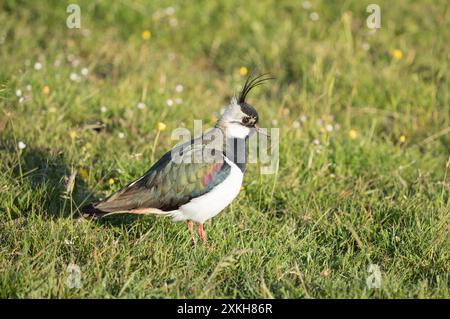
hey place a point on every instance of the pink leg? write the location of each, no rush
(202, 234)
(190, 225)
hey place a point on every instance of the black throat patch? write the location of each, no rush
(236, 152)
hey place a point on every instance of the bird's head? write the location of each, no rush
(239, 117)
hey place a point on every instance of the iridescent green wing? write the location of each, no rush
(171, 182)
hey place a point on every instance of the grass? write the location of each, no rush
(374, 190)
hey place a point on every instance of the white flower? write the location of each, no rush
(306, 4)
(121, 135)
(74, 77)
(314, 16)
(84, 71)
(295, 124)
(303, 118)
(365, 46)
(178, 100)
(29, 87)
(103, 109)
(68, 242)
(86, 32)
(75, 62)
(18, 92)
(37, 66)
(156, 15)
(22, 99)
(173, 22)
(316, 141)
(329, 127)
(179, 88)
(141, 106)
(21, 145)
(169, 11)
(337, 126)
(169, 102)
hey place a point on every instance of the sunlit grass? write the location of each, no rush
(364, 124)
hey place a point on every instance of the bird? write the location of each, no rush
(191, 190)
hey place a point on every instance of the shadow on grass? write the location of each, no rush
(45, 173)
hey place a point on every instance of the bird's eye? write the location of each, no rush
(246, 119)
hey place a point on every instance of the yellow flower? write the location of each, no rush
(73, 134)
(402, 139)
(325, 273)
(353, 134)
(243, 71)
(146, 35)
(83, 173)
(111, 181)
(46, 90)
(242, 188)
(397, 54)
(161, 126)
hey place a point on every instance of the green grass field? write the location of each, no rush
(364, 167)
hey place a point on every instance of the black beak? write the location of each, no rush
(258, 129)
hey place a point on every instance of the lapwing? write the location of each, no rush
(196, 180)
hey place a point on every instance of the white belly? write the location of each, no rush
(204, 207)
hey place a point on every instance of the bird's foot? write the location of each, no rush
(202, 234)
(190, 225)
(208, 246)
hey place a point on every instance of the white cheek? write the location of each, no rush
(237, 131)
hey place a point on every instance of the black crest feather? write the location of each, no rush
(252, 83)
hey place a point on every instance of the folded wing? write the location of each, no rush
(169, 183)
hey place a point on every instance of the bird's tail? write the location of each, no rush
(91, 211)
(125, 200)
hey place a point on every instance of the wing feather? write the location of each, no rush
(168, 184)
